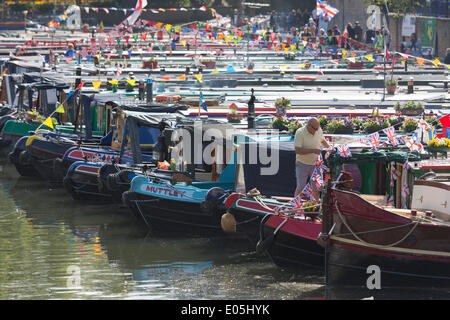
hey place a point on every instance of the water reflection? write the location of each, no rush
(52, 247)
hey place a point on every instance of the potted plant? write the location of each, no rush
(282, 104)
(439, 145)
(336, 126)
(374, 125)
(280, 123)
(233, 116)
(151, 63)
(293, 126)
(410, 108)
(391, 86)
(85, 27)
(323, 121)
(394, 121)
(409, 125)
(433, 122)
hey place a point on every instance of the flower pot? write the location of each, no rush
(411, 112)
(391, 89)
(236, 118)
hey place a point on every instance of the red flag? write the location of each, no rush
(445, 121)
(80, 86)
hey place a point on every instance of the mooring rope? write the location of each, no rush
(414, 223)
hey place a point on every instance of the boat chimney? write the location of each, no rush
(149, 90)
(141, 88)
(251, 111)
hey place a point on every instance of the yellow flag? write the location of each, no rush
(369, 57)
(96, 84)
(286, 49)
(182, 77)
(302, 65)
(183, 43)
(131, 82)
(168, 26)
(292, 46)
(60, 109)
(48, 123)
(344, 54)
(264, 32)
(114, 82)
(215, 71)
(199, 77)
(436, 62)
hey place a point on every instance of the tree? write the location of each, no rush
(396, 6)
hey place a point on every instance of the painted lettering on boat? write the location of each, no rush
(166, 191)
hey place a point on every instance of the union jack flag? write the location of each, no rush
(344, 150)
(392, 136)
(307, 191)
(374, 140)
(296, 202)
(320, 164)
(325, 10)
(317, 178)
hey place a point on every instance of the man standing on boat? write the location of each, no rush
(307, 142)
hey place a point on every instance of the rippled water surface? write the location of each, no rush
(52, 247)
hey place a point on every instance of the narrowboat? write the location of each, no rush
(134, 135)
(403, 243)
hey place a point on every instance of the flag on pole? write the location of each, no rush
(325, 10)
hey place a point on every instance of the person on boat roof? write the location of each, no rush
(307, 142)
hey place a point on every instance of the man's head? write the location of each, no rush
(312, 125)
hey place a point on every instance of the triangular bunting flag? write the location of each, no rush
(199, 77)
(49, 123)
(60, 109)
(96, 85)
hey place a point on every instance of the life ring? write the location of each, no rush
(167, 98)
(307, 78)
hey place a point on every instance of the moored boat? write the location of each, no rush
(365, 239)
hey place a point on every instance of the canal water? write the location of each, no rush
(52, 247)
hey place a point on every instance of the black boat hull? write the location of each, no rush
(348, 265)
(173, 216)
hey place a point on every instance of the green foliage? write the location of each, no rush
(286, 124)
(396, 6)
(433, 121)
(283, 102)
(409, 125)
(323, 121)
(336, 126)
(410, 105)
(373, 125)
